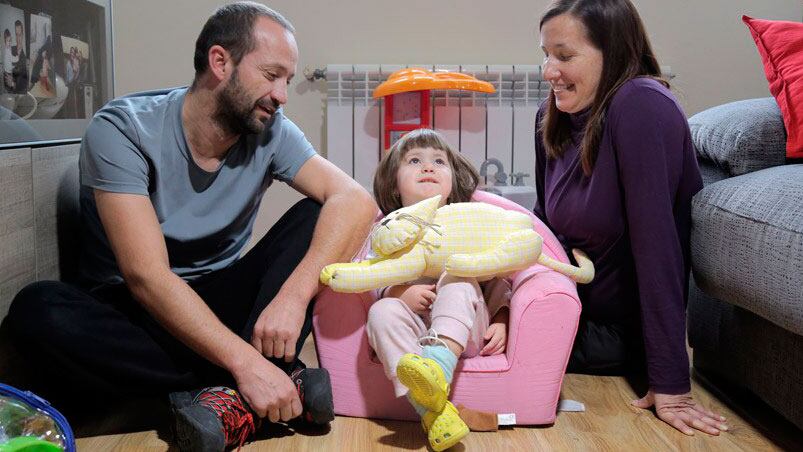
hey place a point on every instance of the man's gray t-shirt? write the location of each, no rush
(136, 144)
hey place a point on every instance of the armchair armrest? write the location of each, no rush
(544, 310)
(339, 323)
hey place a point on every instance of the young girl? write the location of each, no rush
(419, 329)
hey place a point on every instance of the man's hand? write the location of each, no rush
(683, 413)
(268, 391)
(418, 297)
(336, 238)
(278, 327)
(496, 337)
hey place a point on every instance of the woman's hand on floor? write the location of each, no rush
(683, 412)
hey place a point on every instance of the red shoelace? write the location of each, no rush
(295, 376)
(237, 420)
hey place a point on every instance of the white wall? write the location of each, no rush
(703, 41)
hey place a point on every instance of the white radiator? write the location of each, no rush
(482, 126)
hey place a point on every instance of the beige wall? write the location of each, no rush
(703, 41)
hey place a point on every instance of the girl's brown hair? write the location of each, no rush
(615, 28)
(386, 190)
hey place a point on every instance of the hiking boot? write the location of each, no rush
(315, 391)
(217, 418)
(212, 420)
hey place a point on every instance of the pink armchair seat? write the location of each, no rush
(525, 380)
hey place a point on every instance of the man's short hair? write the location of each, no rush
(232, 27)
(17, 23)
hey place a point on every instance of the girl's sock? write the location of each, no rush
(444, 357)
(418, 408)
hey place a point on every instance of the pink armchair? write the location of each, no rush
(525, 380)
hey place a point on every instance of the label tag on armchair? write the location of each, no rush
(506, 418)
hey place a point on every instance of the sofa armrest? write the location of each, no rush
(747, 243)
(740, 137)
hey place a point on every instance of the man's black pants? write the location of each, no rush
(102, 340)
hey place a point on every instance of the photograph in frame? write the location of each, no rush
(75, 54)
(43, 74)
(14, 51)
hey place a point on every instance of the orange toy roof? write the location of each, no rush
(418, 79)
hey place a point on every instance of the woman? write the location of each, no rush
(616, 172)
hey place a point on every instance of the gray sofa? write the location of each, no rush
(745, 313)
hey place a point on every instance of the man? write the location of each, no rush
(20, 72)
(171, 182)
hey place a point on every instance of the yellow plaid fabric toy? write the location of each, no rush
(469, 239)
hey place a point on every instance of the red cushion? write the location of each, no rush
(780, 44)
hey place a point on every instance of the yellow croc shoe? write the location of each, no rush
(425, 380)
(444, 429)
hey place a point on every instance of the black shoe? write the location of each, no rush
(210, 420)
(315, 391)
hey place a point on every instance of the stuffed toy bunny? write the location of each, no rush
(469, 239)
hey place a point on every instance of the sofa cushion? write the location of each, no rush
(747, 243)
(780, 44)
(711, 172)
(740, 137)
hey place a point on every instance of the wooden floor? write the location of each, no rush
(609, 423)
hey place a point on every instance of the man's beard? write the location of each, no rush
(235, 113)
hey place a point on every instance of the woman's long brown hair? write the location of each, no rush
(615, 28)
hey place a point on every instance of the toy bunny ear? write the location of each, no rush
(426, 209)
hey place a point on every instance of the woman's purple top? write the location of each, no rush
(632, 216)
